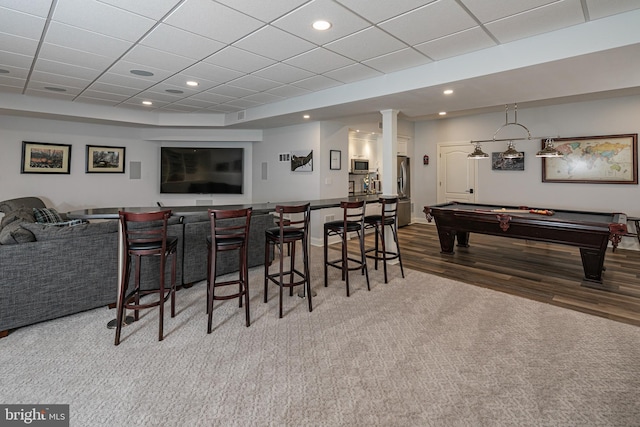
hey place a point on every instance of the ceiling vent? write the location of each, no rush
(241, 114)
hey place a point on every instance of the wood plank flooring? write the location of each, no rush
(544, 272)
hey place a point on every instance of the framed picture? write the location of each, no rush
(610, 159)
(105, 159)
(335, 159)
(302, 161)
(498, 163)
(42, 157)
(352, 187)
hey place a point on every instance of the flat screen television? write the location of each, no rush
(201, 170)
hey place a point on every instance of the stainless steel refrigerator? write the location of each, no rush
(404, 191)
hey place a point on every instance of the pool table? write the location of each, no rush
(589, 231)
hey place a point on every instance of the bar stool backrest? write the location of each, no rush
(291, 222)
(227, 226)
(353, 214)
(145, 232)
(389, 210)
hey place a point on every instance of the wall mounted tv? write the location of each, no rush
(201, 170)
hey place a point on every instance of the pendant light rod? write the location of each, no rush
(507, 123)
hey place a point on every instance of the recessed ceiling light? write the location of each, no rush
(442, 113)
(448, 92)
(306, 116)
(147, 103)
(141, 73)
(3, 71)
(55, 89)
(322, 25)
(192, 83)
(174, 91)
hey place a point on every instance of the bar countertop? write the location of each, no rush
(112, 212)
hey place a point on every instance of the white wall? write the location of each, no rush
(79, 190)
(601, 117)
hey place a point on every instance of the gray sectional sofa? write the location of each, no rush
(53, 271)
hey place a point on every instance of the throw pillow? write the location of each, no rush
(13, 233)
(46, 215)
(44, 232)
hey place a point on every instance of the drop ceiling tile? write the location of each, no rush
(430, 22)
(21, 24)
(299, 22)
(288, 91)
(263, 98)
(180, 42)
(224, 108)
(456, 44)
(86, 41)
(161, 95)
(396, 61)
(100, 18)
(136, 103)
(33, 7)
(10, 60)
(491, 10)
(126, 81)
(114, 97)
(118, 89)
(239, 60)
(43, 93)
(177, 108)
(211, 72)
(12, 81)
(17, 44)
(53, 67)
(66, 55)
(537, 21)
(254, 83)
(317, 83)
(353, 73)
(366, 44)
(154, 9)
(179, 82)
(212, 98)
(283, 73)
(9, 88)
(274, 43)
(192, 102)
(98, 101)
(380, 10)
(242, 103)
(58, 80)
(319, 60)
(156, 59)
(232, 91)
(599, 9)
(265, 11)
(213, 20)
(14, 72)
(124, 68)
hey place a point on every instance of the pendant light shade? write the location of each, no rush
(549, 150)
(511, 152)
(478, 153)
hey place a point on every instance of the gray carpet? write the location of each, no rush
(419, 351)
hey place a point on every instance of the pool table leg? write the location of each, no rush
(447, 238)
(463, 239)
(593, 264)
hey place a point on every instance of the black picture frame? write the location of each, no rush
(105, 159)
(335, 160)
(45, 158)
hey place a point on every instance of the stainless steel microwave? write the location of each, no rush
(359, 166)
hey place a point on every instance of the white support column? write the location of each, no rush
(390, 165)
(389, 151)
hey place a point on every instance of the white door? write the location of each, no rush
(456, 173)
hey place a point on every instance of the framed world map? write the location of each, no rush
(610, 159)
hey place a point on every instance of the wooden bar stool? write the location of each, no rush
(145, 234)
(229, 232)
(352, 221)
(388, 218)
(289, 231)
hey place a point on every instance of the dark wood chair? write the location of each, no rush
(145, 235)
(388, 217)
(293, 227)
(229, 232)
(351, 222)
